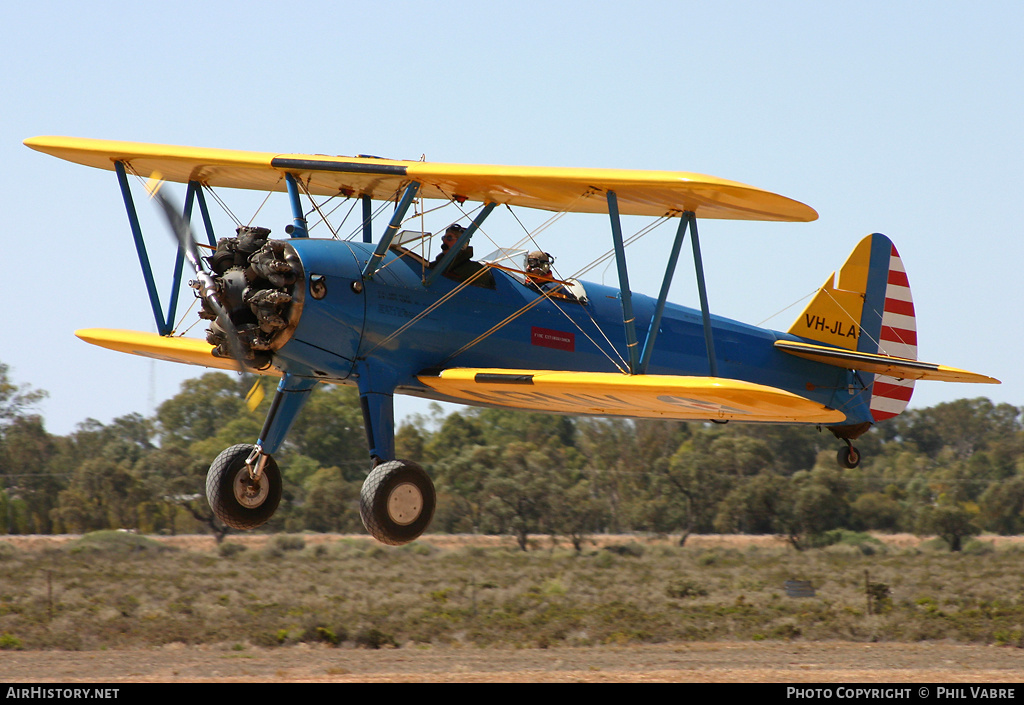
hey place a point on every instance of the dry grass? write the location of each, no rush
(112, 590)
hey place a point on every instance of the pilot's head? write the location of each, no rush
(538, 262)
(451, 235)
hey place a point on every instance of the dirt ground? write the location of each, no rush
(720, 662)
(713, 662)
(453, 541)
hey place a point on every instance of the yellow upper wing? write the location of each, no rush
(641, 396)
(549, 188)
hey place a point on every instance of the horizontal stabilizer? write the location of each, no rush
(639, 396)
(896, 367)
(189, 351)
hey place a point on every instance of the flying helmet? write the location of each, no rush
(539, 262)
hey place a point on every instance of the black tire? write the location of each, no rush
(848, 457)
(397, 502)
(225, 485)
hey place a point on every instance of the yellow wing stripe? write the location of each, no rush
(638, 192)
(640, 396)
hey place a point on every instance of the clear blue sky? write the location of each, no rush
(897, 117)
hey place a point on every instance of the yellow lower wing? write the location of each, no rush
(642, 396)
(189, 351)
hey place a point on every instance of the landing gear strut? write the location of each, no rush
(397, 502)
(236, 497)
(849, 457)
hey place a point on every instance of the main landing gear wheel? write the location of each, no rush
(397, 502)
(234, 497)
(848, 457)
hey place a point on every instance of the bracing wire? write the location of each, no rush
(782, 311)
(223, 205)
(316, 207)
(643, 231)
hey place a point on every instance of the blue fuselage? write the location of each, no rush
(349, 335)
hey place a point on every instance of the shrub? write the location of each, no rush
(320, 633)
(227, 550)
(682, 589)
(706, 560)
(117, 542)
(785, 631)
(9, 642)
(974, 547)
(867, 543)
(631, 549)
(288, 542)
(879, 597)
(374, 638)
(283, 543)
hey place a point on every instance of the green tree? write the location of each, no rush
(875, 511)
(329, 429)
(624, 462)
(100, 495)
(26, 484)
(762, 504)
(331, 502)
(614, 467)
(789, 448)
(507, 426)
(15, 400)
(702, 485)
(104, 490)
(519, 492)
(29, 474)
(461, 481)
(820, 504)
(201, 409)
(1002, 506)
(952, 523)
(575, 510)
(965, 426)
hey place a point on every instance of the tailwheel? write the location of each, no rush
(848, 457)
(397, 502)
(237, 499)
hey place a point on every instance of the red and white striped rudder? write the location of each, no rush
(898, 337)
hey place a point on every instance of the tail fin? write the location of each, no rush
(869, 309)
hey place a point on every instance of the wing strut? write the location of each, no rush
(652, 332)
(698, 267)
(638, 362)
(367, 217)
(164, 325)
(442, 266)
(373, 263)
(298, 228)
(628, 319)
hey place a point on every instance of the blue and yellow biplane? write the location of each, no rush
(504, 330)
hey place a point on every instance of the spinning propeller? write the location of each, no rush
(204, 282)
